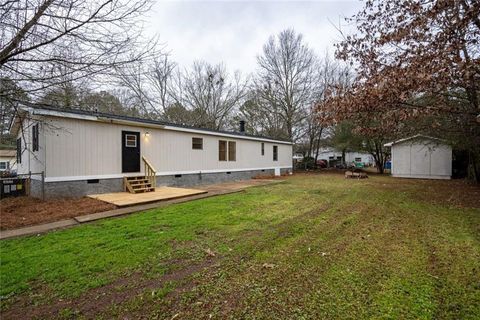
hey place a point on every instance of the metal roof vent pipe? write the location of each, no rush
(242, 126)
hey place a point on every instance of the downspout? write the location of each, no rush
(26, 132)
(44, 149)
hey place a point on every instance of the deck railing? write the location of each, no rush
(150, 172)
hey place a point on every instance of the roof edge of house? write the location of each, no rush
(99, 116)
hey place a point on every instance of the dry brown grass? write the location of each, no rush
(26, 211)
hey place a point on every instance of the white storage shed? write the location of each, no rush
(421, 157)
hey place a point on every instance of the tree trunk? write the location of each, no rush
(475, 172)
(317, 147)
(378, 155)
(380, 167)
(381, 158)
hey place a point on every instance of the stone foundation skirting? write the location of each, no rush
(80, 188)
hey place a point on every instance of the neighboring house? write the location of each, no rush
(421, 157)
(7, 160)
(83, 153)
(335, 156)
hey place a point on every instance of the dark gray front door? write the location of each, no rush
(130, 151)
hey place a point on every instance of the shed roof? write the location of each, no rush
(415, 137)
(107, 117)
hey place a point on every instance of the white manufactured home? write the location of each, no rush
(421, 157)
(332, 155)
(84, 153)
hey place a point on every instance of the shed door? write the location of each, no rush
(130, 151)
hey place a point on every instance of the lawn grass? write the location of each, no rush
(315, 246)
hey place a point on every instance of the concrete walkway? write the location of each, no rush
(212, 190)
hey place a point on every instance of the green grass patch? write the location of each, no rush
(316, 246)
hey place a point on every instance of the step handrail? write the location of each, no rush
(150, 172)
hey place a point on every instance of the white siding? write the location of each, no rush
(421, 159)
(401, 159)
(441, 161)
(80, 148)
(32, 161)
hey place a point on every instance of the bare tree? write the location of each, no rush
(47, 42)
(260, 120)
(212, 93)
(286, 80)
(150, 84)
(331, 75)
(160, 77)
(52, 44)
(7, 107)
(205, 95)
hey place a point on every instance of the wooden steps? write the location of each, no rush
(138, 184)
(142, 184)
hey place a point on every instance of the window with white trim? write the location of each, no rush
(131, 140)
(3, 165)
(275, 153)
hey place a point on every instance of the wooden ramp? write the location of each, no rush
(123, 199)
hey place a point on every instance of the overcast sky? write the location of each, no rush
(234, 32)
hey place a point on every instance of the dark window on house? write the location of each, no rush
(197, 143)
(19, 150)
(35, 137)
(3, 165)
(222, 150)
(358, 159)
(232, 151)
(263, 149)
(275, 153)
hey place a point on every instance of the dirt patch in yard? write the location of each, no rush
(26, 211)
(97, 300)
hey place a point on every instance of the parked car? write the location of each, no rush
(322, 163)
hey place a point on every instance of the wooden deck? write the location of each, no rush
(123, 199)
